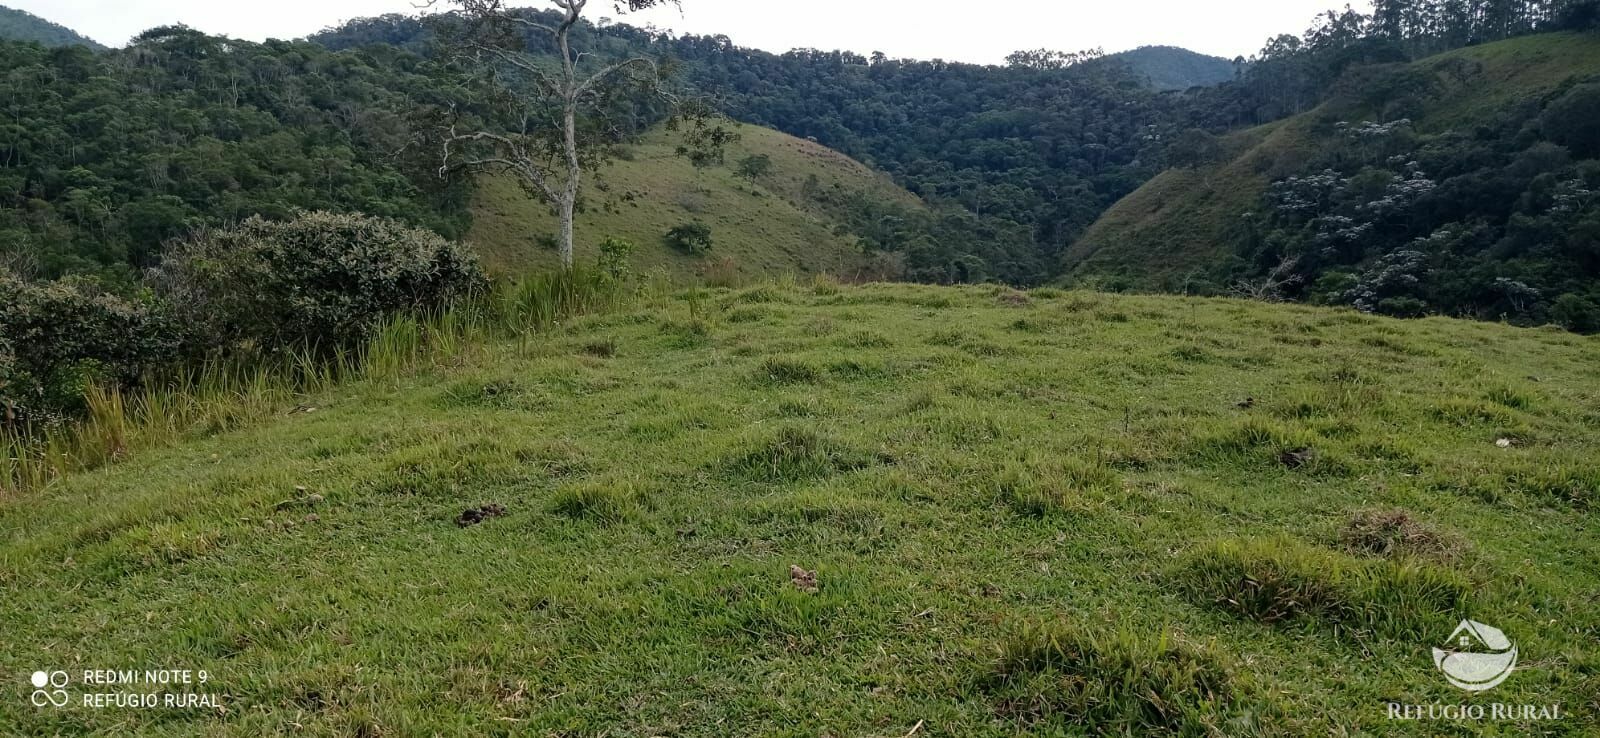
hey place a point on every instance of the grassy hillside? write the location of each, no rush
(17, 25)
(1046, 513)
(1188, 221)
(774, 225)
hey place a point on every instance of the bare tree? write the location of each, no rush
(545, 146)
(1270, 288)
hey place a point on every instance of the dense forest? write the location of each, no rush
(104, 157)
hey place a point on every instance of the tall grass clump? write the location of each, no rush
(1060, 679)
(1280, 581)
(796, 453)
(227, 390)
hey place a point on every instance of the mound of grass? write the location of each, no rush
(1397, 533)
(1279, 580)
(1265, 443)
(1539, 480)
(784, 370)
(606, 502)
(796, 453)
(1059, 678)
(1038, 490)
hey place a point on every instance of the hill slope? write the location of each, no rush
(773, 225)
(1465, 146)
(1001, 496)
(1172, 68)
(17, 25)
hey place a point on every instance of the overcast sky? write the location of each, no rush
(982, 31)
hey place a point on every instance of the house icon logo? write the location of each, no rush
(1477, 658)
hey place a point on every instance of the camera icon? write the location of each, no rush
(49, 688)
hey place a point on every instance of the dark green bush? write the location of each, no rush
(691, 238)
(1574, 120)
(322, 279)
(1577, 313)
(58, 337)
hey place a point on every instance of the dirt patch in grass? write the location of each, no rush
(483, 513)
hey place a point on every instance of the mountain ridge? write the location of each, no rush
(20, 25)
(1174, 68)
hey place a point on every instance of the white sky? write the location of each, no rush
(923, 29)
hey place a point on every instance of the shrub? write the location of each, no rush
(615, 255)
(1577, 313)
(690, 238)
(59, 337)
(322, 279)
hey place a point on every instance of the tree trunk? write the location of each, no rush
(569, 208)
(569, 114)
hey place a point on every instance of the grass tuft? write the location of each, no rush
(1037, 490)
(1398, 534)
(1060, 679)
(782, 370)
(603, 502)
(796, 453)
(1279, 580)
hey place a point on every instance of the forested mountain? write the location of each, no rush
(1172, 68)
(1018, 160)
(1464, 184)
(17, 25)
(1026, 156)
(105, 156)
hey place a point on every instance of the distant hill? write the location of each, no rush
(17, 25)
(1459, 184)
(1172, 68)
(788, 221)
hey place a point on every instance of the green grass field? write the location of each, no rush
(1046, 513)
